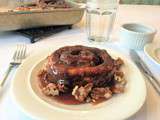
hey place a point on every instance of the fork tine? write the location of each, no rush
(18, 53)
(24, 51)
(15, 53)
(21, 51)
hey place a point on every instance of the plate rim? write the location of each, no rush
(151, 57)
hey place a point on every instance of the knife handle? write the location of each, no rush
(149, 73)
(153, 83)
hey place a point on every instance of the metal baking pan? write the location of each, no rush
(14, 20)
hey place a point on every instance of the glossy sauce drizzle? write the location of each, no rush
(67, 99)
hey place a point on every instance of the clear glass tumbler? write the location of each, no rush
(100, 18)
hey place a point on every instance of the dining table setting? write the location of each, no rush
(112, 55)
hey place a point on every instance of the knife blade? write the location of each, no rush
(145, 70)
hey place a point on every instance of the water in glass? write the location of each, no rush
(100, 19)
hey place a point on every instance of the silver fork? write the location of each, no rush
(18, 56)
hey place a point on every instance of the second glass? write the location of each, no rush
(100, 18)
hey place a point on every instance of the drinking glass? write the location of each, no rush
(100, 19)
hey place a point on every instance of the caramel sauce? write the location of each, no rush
(101, 100)
(67, 99)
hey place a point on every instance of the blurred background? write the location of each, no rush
(146, 2)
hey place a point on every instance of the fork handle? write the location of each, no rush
(6, 75)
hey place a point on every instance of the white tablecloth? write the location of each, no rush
(142, 14)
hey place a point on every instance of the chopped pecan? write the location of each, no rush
(81, 93)
(118, 88)
(98, 93)
(50, 90)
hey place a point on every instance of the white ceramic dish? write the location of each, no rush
(135, 36)
(153, 52)
(15, 20)
(118, 107)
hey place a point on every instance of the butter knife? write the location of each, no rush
(145, 70)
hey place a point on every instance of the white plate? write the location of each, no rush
(152, 50)
(120, 106)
